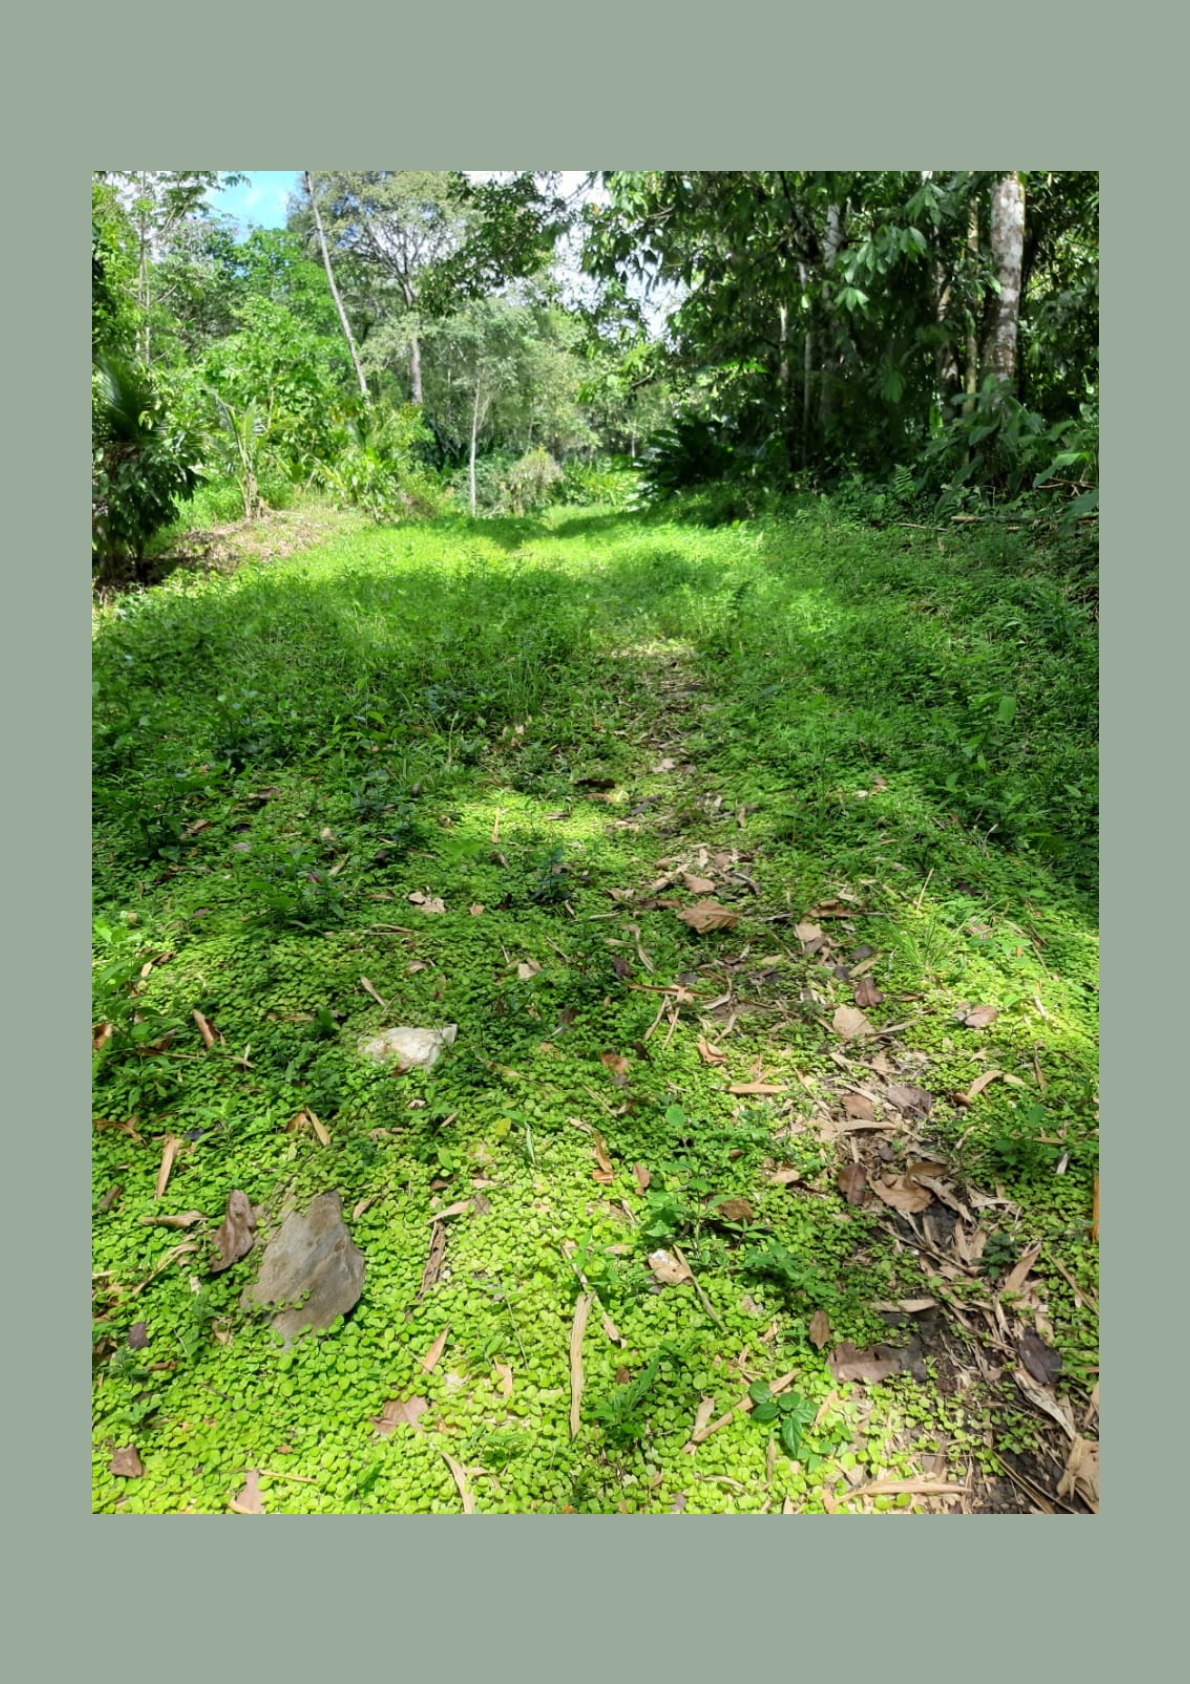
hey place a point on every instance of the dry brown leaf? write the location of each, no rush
(459, 1208)
(908, 1098)
(784, 1175)
(865, 993)
(701, 1416)
(739, 1088)
(430, 1361)
(858, 1107)
(850, 1023)
(1045, 1400)
(527, 970)
(236, 1234)
(361, 1205)
(323, 1137)
(168, 1153)
(978, 1085)
(902, 1194)
(869, 1366)
(852, 1181)
(476, 909)
(667, 1270)
(249, 1500)
(427, 903)
(906, 1488)
(505, 1373)
(666, 765)
(698, 885)
(707, 915)
(807, 932)
(1042, 1361)
(101, 1035)
(610, 1328)
(1081, 1474)
(399, 1413)
(459, 1475)
(820, 1329)
(604, 1173)
(1014, 1281)
(643, 1177)
(414, 965)
(209, 1036)
(618, 1065)
(734, 1210)
(710, 1054)
(980, 1016)
(369, 989)
(126, 1464)
(186, 1219)
(907, 1306)
(581, 1311)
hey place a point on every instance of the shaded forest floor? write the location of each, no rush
(756, 869)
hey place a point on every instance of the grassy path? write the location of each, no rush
(746, 1209)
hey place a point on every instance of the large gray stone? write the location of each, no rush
(312, 1266)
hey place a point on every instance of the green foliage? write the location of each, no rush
(530, 482)
(142, 463)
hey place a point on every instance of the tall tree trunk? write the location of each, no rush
(1008, 246)
(972, 381)
(330, 275)
(807, 373)
(415, 368)
(474, 436)
(834, 236)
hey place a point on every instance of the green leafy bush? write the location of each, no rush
(143, 463)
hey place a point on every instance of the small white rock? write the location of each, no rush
(409, 1047)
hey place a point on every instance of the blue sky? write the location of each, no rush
(262, 203)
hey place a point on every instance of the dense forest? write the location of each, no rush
(595, 843)
(418, 341)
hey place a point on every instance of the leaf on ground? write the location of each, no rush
(582, 1310)
(414, 965)
(784, 1175)
(476, 908)
(505, 1373)
(701, 1416)
(865, 993)
(980, 1016)
(668, 1270)
(430, 1361)
(643, 1177)
(101, 1035)
(820, 1329)
(459, 1208)
(850, 1023)
(969, 1247)
(707, 915)
(249, 1500)
(186, 1219)
(1044, 1399)
(527, 970)
(319, 1129)
(858, 1107)
(853, 1179)
(621, 966)
(138, 1336)
(710, 1054)
(757, 1088)
(427, 903)
(604, 1173)
(907, 1306)
(618, 1065)
(882, 1064)
(209, 1037)
(126, 1464)
(902, 1194)
(978, 1085)
(734, 1210)
(1042, 1361)
(399, 1413)
(869, 1366)
(459, 1475)
(908, 1098)
(369, 989)
(236, 1234)
(1021, 1270)
(806, 933)
(361, 1205)
(1081, 1475)
(698, 885)
(168, 1153)
(666, 765)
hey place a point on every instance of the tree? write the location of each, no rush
(330, 276)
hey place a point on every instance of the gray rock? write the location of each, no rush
(312, 1266)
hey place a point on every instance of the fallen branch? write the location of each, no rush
(581, 1311)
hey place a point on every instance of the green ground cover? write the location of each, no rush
(888, 738)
